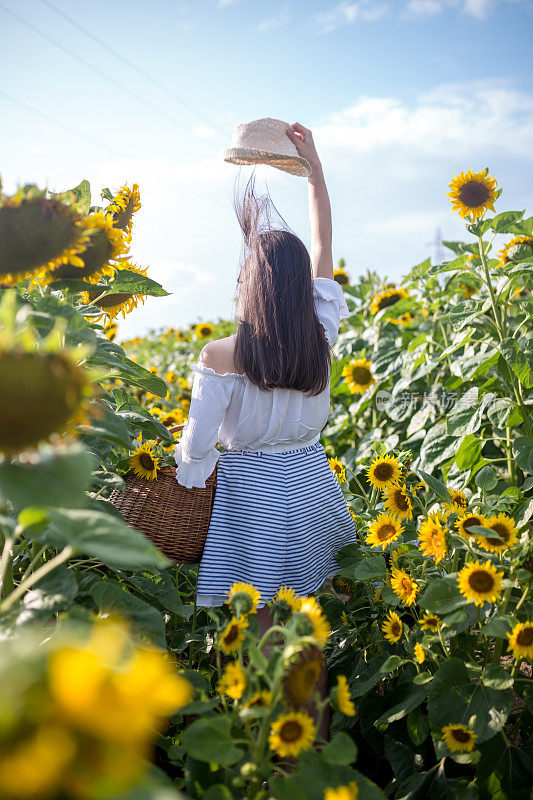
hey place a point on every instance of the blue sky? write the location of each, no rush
(401, 96)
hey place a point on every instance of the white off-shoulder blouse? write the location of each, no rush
(227, 408)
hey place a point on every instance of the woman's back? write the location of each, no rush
(227, 407)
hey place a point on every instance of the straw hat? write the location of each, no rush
(264, 141)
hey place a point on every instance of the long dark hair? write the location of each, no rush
(280, 341)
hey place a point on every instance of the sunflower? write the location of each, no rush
(344, 701)
(37, 232)
(338, 469)
(341, 276)
(458, 502)
(383, 471)
(392, 627)
(397, 502)
(115, 303)
(349, 792)
(44, 391)
(430, 622)
(472, 193)
(42, 394)
(420, 653)
(465, 522)
(505, 528)
(479, 582)
(105, 250)
(143, 462)
(171, 376)
(467, 290)
(383, 530)
(312, 610)
(170, 418)
(521, 640)
(123, 206)
(302, 676)
(344, 619)
(432, 537)
(204, 330)
(292, 733)
(262, 699)
(287, 595)
(358, 375)
(344, 586)
(388, 297)
(243, 598)
(377, 594)
(518, 245)
(403, 319)
(232, 636)
(459, 738)
(110, 331)
(233, 681)
(403, 586)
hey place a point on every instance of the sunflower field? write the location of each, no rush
(115, 686)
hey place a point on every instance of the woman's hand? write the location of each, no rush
(302, 138)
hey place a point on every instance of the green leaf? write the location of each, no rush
(520, 359)
(405, 697)
(454, 698)
(417, 726)
(54, 592)
(441, 596)
(112, 356)
(58, 477)
(209, 739)
(523, 453)
(103, 537)
(129, 282)
(469, 452)
(371, 567)
(340, 750)
(111, 597)
(502, 222)
(110, 427)
(486, 478)
(79, 196)
(436, 486)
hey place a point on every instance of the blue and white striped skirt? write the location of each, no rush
(278, 519)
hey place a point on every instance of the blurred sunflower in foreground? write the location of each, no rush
(80, 711)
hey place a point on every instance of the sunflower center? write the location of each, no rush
(481, 581)
(395, 628)
(502, 531)
(232, 635)
(385, 302)
(461, 735)
(469, 522)
(361, 375)
(111, 300)
(401, 501)
(525, 637)
(146, 461)
(473, 194)
(459, 500)
(94, 257)
(384, 471)
(385, 532)
(291, 731)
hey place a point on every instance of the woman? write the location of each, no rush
(279, 515)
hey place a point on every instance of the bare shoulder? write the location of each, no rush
(218, 354)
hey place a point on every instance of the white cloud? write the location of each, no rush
(424, 8)
(226, 3)
(276, 21)
(346, 13)
(479, 9)
(204, 132)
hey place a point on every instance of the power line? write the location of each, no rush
(58, 122)
(132, 65)
(91, 66)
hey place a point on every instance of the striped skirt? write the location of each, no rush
(278, 519)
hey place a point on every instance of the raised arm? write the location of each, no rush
(319, 205)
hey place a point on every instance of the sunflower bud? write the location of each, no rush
(241, 603)
(301, 624)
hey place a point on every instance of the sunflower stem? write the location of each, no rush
(499, 644)
(522, 599)
(59, 559)
(6, 567)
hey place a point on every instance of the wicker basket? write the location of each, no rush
(174, 518)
